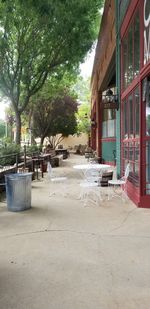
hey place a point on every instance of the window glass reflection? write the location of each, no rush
(108, 124)
(125, 62)
(137, 112)
(137, 45)
(130, 134)
(130, 56)
(125, 119)
(131, 52)
(131, 115)
(147, 110)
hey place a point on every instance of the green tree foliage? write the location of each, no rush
(53, 88)
(2, 128)
(40, 39)
(10, 123)
(83, 118)
(57, 116)
(82, 88)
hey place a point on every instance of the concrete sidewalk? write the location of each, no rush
(61, 255)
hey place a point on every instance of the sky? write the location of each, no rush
(86, 71)
(2, 110)
(2, 113)
(87, 66)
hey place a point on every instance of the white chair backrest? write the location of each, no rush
(49, 170)
(92, 173)
(127, 171)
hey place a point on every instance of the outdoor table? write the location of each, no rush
(84, 167)
(93, 166)
(45, 156)
(91, 184)
(62, 151)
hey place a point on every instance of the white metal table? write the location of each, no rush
(84, 167)
(93, 166)
(91, 188)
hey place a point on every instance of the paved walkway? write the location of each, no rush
(61, 255)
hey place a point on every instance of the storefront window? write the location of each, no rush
(137, 153)
(104, 124)
(137, 111)
(130, 135)
(125, 57)
(131, 153)
(147, 101)
(130, 116)
(108, 124)
(125, 119)
(146, 139)
(130, 55)
(146, 31)
(131, 52)
(136, 45)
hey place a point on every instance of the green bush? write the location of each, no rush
(32, 149)
(9, 151)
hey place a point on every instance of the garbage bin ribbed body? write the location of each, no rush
(18, 191)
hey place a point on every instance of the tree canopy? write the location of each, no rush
(40, 39)
(2, 128)
(82, 88)
(57, 116)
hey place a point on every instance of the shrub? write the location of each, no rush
(10, 152)
(30, 150)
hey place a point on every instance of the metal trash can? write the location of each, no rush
(18, 191)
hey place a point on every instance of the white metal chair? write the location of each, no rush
(119, 183)
(59, 181)
(90, 187)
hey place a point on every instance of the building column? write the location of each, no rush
(99, 124)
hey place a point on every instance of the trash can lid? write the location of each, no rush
(17, 175)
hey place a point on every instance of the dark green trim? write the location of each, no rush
(118, 130)
(109, 151)
(122, 10)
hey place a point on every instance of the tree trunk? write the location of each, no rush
(42, 140)
(18, 128)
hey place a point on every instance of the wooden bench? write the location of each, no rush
(63, 152)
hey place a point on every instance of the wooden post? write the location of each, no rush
(16, 162)
(25, 156)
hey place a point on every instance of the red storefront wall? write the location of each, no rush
(138, 186)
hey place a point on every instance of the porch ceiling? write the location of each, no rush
(103, 75)
(110, 76)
